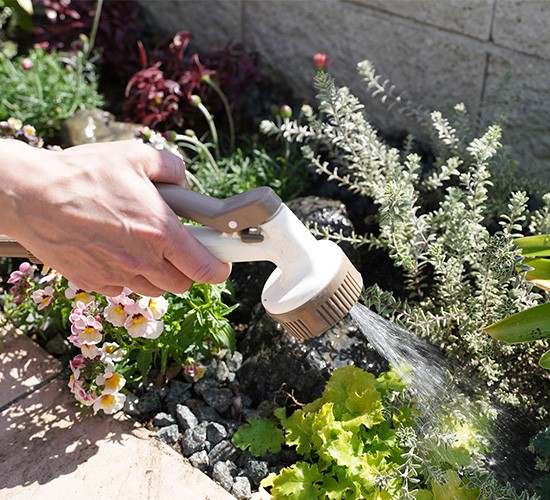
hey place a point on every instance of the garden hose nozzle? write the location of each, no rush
(314, 285)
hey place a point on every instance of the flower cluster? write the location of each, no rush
(21, 281)
(94, 381)
(118, 340)
(15, 129)
(102, 328)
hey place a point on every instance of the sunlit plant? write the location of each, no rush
(121, 338)
(365, 439)
(530, 324)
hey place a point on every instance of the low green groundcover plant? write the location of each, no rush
(365, 439)
(46, 88)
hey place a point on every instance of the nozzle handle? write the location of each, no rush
(242, 211)
(236, 213)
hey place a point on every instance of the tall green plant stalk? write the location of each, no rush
(95, 26)
(214, 86)
(191, 141)
(197, 102)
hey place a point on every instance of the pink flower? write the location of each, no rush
(26, 64)
(26, 270)
(139, 325)
(87, 398)
(111, 352)
(322, 61)
(76, 364)
(85, 329)
(89, 351)
(43, 297)
(115, 312)
(112, 383)
(72, 292)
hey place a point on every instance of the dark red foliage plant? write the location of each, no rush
(159, 95)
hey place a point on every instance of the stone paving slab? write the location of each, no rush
(49, 449)
(23, 365)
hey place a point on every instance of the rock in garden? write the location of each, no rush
(163, 419)
(95, 125)
(169, 434)
(234, 360)
(215, 433)
(241, 488)
(57, 345)
(224, 450)
(221, 473)
(218, 398)
(178, 392)
(199, 460)
(256, 470)
(222, 372)
(185, 417)
(149, 402)
(277, 363)
(193, 440)
(203, 411)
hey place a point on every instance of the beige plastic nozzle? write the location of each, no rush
(328, 307)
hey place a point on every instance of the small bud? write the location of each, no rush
(170, 135)
(26, 64)
(321, 61)
(190, 133)
(205, 77)
(195, 100)
(286, 111)
(275, 110)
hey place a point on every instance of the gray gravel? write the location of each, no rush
(200, 419)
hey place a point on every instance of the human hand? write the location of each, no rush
(93, 214)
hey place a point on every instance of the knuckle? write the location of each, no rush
(203, 273)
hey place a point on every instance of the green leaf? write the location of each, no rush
(354, 396)
(260, 436)
(144, 361)
(299, 482)
(531, 324)
(534, 246)
(332, 442)
(541, 269)
(298, 431)
(539, 273)
(544, 360)
(423, 495)
(453, 488)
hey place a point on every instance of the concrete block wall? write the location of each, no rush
(492, 55)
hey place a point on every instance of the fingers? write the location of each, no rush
(163, 166)
(192, 259)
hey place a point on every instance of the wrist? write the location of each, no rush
(19, 180)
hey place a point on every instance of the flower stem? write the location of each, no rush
(95, 25)
(227, 108)
(212, 125)
(197, 145)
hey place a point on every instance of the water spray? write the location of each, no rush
(314, 285)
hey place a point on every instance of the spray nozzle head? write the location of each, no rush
(315, 302)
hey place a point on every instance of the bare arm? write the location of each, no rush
(92, 213)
